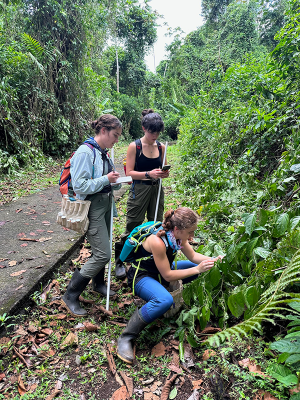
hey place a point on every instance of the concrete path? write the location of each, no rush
(26, 264)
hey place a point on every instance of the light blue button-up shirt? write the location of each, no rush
(82, 171)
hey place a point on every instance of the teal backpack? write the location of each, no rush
(136, 238)
(134, 241)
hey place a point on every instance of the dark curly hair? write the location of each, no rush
(107, 121)
(182, 218)
(152, 121)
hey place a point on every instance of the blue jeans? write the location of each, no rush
(159, 300)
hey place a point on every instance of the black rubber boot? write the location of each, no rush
(134, 327)
(120, 271)
(99, 285)
(70, 299)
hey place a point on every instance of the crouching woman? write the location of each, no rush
(151, 278)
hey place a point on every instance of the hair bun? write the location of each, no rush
(94, 124)
(147, 111)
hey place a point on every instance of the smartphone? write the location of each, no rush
(165, 167)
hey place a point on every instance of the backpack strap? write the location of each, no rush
(159, 146)
(138, 151)
(92, 148)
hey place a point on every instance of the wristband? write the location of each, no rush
(147, 175)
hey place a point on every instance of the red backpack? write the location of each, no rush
(65, 176)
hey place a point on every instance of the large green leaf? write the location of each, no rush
(281, 225)
(291, 345)
(260, 251)
(263, 217)
(294, 222)
(236, 304)
(214, 276)
(295, 168)
(250, 246)
(294, 358)
(250, 224)
(252, 295)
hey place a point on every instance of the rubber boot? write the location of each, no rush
(120, 271)
(99, 285)
(71, 298)
(134, 327)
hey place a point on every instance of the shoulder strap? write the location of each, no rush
(92, 148)
(138, 145)
(159, 146)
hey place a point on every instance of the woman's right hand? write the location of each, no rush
(113, 176)
(205, 265)
(156, 173)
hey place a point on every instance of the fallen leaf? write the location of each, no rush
(45, 222)
(128, 382)
(58, 316)
(188, 355)
(197, 384)
(22, 234)
(90, 327)
(195, 395)
(58, 385)
(12, 263)
(19, 287)
(207, 354)
(33, 387)
(120, 394)
(24, 245)
(110, 359)
(174, 368)
(53, 394)
(47, 331)
(210, 330)
(50, 231)
(21, 388)
(2, 376)
(2, 266)
(158, 350)
(20, 331)
(18, 272)
(256, 369)
(70, 340)
(32, 234)
(150, 396)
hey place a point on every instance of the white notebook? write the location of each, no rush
(123, 179)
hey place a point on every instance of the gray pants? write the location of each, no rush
(98, 234)
(143, 203)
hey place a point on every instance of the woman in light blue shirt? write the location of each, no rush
(92, 172)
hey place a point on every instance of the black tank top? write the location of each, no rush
(147, 164)
(148, 267)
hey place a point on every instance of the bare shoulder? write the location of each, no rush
(154, 244)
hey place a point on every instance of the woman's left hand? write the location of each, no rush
(165, 174)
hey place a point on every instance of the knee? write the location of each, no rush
(102, 257)
(165, 302)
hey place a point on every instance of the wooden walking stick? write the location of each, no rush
(110, 241)
(159, 189)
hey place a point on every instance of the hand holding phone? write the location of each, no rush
(165, 167)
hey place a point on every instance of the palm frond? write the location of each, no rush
(269, 306)
(32, 46)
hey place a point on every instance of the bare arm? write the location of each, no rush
(157, 247)
(130, 164)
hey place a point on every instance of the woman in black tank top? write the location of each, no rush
(143, 163)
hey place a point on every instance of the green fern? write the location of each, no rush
(271, 304)
(32, 46)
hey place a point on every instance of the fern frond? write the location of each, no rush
(269, 306)
(32, 46)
